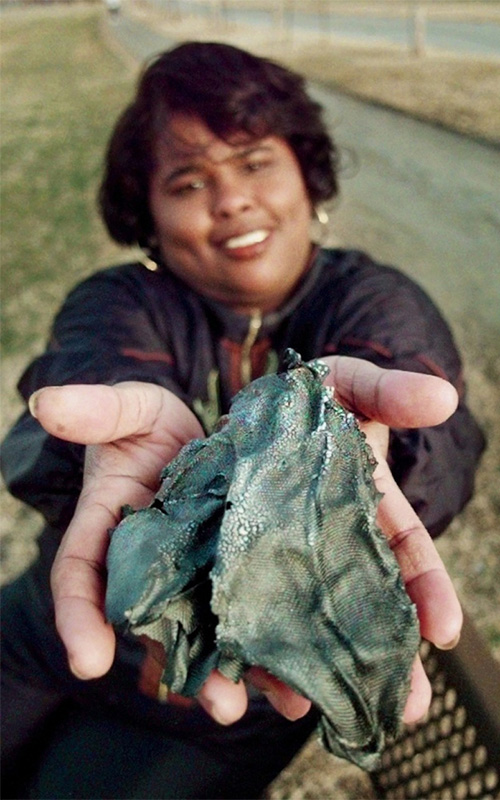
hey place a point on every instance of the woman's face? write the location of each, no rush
(232, 220)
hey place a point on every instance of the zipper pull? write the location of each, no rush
(246, 361)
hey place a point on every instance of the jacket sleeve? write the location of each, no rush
(105, 332)
(391, 321)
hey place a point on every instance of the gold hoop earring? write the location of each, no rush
(148, 254)
(321, 215)
(148, 262)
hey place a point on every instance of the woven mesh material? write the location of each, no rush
(261, 548)
(450, 756)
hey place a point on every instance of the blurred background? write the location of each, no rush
(411, 91)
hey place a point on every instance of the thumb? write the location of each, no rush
(396, 398)
(96, 414)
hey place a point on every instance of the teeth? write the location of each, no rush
(254, 237)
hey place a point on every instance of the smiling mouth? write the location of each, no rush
(246, 239)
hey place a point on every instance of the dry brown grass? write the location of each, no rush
(461, 93)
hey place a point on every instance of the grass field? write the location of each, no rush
(62, 89)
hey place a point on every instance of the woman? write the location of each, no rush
(215, 170)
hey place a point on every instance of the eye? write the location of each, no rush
(255, 165)
(187, 186)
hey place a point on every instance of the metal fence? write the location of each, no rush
(455, 753)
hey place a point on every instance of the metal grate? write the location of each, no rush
(454, 754)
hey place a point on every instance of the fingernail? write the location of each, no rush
(449, 645)
(32, 402)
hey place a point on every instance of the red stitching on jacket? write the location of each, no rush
(258, 356)
(145, 355)
(437, 370)
(427, 362)
(352, 341)
(431, 365)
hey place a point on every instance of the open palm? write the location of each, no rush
(133, 429)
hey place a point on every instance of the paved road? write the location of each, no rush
(422, 198)
(458, 36)
(413, 195)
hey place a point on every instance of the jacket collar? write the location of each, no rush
(235, 326)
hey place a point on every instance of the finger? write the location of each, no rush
(290, 704)
(78, 590)
(224, 700)
(394, 397)
(78, 584)
(426, 579)
(419, 698)
(94, 414)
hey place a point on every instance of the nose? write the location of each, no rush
(230, 197)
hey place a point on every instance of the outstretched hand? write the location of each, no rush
(397, 399)
(133, 429)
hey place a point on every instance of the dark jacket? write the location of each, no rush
(132, 323)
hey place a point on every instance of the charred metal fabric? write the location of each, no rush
(261, 548)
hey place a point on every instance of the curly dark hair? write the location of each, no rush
(232, 91)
